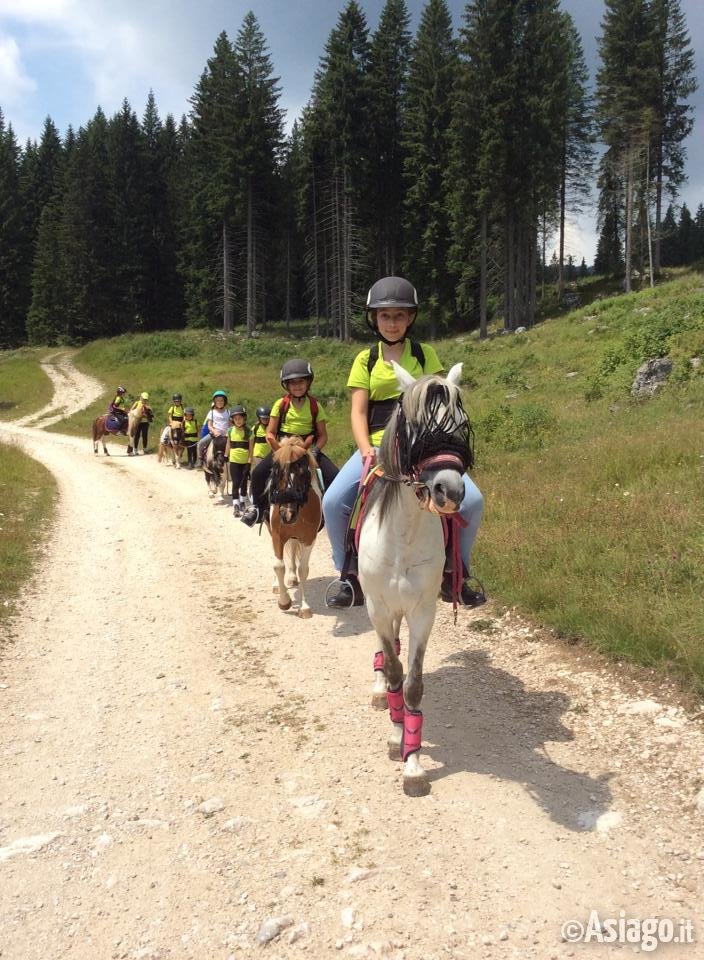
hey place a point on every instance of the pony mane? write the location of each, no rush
(290, 450)
(429, 418)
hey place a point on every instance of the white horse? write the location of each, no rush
(424, 454)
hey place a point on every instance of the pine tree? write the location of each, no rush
(698, 250)
(260, 138)
(669, 248)
(87, 236)
(45, 318)
(673, 116)
(12, 274)
(337, 151)
(127, 185)
(388, 68)
(162, 287)
(577, 153)
(686, 236)
(428, 112)
(626, 92)
(212, 165)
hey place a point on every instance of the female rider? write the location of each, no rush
(392, 305)
(298, 414)
(217, 422)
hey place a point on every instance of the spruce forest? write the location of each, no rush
(452, 156)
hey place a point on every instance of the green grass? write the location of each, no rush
(594, 520)
(24, 387)
(28, 497)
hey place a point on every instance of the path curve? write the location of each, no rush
(558, 784)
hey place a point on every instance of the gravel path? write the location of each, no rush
(187, 772)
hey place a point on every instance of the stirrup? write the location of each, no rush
(250, 516)
(356, 597)
(468, 597)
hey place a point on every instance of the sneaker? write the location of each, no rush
(250, 516)
(349, 593)
(236, 512)
(468, 597)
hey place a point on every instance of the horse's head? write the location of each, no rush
(292, 472)
(428, 441)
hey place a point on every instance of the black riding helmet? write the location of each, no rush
(295, 370)
(238, 410)
(176, 397)
(263, 412)
(390, 292)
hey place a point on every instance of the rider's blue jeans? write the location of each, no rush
(339, 501)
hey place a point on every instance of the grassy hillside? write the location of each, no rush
(27, 499)
(595, 519)
(24, 387)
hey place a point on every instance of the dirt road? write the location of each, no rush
(186, 772)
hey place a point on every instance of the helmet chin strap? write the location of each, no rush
(389, 343)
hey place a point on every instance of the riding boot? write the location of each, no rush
(468, 597)
(349, 594)
(250, 516)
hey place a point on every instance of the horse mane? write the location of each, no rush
(290, 450)
(429, 416)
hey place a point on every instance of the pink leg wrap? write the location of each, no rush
(379, 655)
(395, 700)
(412, 732)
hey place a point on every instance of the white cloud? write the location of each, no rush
(14, 81)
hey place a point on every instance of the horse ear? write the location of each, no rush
(405, 379)
(455, 374)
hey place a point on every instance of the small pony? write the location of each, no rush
(106, 426)
(425, 451)
(215, 467)
(171, 446)
(294, 518)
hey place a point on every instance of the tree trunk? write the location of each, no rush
(509, 280)
(532, 273)
(316, 302)
(629, 219)
(483, 276)
(250, 264)
(288, 280)
(227, 312)
(647, 216)
(561, 256)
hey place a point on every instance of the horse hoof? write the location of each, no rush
(395, 751)
(416, 786)
(305, 614)
(379, 701)
(285, 606)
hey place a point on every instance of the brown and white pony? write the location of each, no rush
(101, 429)
(294, 518)
(173, 448)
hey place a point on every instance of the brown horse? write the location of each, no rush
(294, 517)
(128, 429)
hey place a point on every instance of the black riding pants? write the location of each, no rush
(141, 431)
(260, 477)
(239, 474)
(191, 451)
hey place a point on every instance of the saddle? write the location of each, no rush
(115, 424)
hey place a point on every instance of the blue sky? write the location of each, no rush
(64, 57)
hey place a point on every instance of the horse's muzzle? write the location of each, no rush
(446, 490)
(288, 513)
